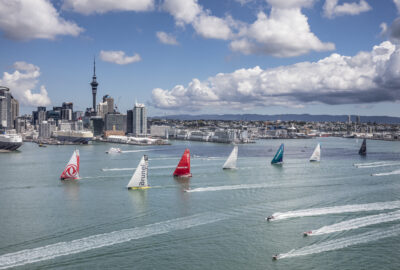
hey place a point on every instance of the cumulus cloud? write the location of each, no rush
(31, 19)
(397, 3)
(166, 38)
(284, 33)
(119, 57)
(87, 7)
(332, 8)
(22, 82)
(364, 78)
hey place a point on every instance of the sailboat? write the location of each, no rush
(183, 168)
(71, 171)
(230, 163)
(316, 155)
(278, 158)
(363, 148)
(139, 177)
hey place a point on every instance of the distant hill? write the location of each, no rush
(284, 117)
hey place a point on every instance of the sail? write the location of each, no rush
(71, 171)
(316, 155)
(363, 148)
(139, 177)
(230, 163)
(183, 168)
(278, 158)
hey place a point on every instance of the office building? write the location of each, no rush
(9, 109)
(139, 120)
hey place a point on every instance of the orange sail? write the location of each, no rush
(71, 171)
(183, 168)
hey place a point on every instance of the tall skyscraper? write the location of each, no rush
(139, 125)
(94, 85)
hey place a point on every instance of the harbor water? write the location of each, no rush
(214, 220)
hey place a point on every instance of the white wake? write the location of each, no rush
(358, 223)
(231, 187)
(387, 173)
(376, 164)
(343, 242)
(102, 240)
(337, 210)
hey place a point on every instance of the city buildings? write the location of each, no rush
(139, 120)
(9, 109)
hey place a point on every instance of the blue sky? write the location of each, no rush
(233, 56)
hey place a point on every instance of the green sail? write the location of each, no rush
(278, 158)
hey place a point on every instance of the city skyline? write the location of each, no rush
(265, 57)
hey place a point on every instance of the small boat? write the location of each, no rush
(42, 145)
(275, 257)
(71, 171)
(139, 177)
(113, 150)
(316, 155)
(269, 218)
(183, 168)
(307, 233)
(230, 163)
(278, 158)
(363, 148)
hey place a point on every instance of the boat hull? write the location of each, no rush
(9, 146)
(80, 140)
(138, 188)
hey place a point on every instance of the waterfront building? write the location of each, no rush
(139, 120)
(9, 109)
(115, 122)
(44, 130)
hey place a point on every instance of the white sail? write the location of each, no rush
(71, 171)
(139, 178)
(230, 163)
(316, 155)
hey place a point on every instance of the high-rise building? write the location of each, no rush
(44, 130)
(9, 109)
(115, 122)
(129, 122)
(139, 121)
(94, 85)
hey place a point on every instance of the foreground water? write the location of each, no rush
(220, 223)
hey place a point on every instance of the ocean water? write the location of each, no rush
(214, 220)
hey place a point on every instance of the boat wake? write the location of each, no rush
(336, 210)
(48, 252)
(376, 164)
(142, 150)
(232, 187)
(340, 243)
(358, 223)
(386, 173)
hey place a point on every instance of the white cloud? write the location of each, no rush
(212, 27)
(332, 9)
(397, 3)
(31, 19)
(166, 38)
(284, 33)
(119, 57)
(384, 29)
(361, 79)
(102, 6)
(287, 4)
(184, 11)
(21, 83)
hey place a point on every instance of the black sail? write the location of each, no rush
(363, 148)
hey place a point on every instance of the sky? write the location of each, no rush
(205, 56)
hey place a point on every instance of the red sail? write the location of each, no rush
(183, 168)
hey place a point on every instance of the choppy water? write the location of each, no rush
(215, 220)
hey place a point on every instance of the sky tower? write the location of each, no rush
(94, 85)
